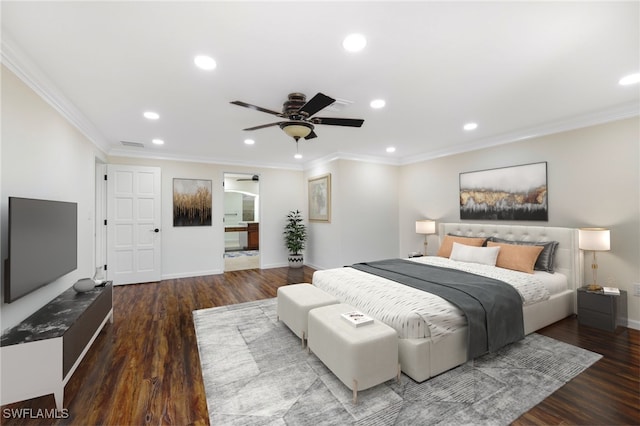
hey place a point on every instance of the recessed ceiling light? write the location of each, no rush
(470, 126)
(206, 63)
(630, 79)
(377, 103)
(354, 42)
(297, 156)
(151, 115)
(391, 149)
(158, 142)
(249, 141)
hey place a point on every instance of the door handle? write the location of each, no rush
(155, 230)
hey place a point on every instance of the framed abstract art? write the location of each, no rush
(192, 202)
(507, 193)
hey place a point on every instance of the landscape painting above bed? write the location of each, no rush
(507, 193)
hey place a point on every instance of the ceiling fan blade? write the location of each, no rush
(315, 104)
(257, 108)
(351, 122)
(311, 135)
(263, 126)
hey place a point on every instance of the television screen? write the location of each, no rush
(42, 244)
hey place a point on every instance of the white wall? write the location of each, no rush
(323, 249)
(43, 156)
(364, 215)
(593, 180)
(199, 250)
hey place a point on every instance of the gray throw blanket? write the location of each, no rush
(493, 308)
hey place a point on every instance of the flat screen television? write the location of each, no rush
(43, 244)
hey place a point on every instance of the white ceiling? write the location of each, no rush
(518, 69)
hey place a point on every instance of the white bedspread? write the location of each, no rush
(415, 313)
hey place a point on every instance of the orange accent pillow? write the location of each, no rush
(516, 257)
(447, 243)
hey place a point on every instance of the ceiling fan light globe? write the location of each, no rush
(297, 130)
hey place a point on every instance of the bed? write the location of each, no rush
(433, 332)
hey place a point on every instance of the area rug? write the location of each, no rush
(256, 373)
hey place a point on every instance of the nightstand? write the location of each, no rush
(600, 310)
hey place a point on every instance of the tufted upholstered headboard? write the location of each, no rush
(569, 259)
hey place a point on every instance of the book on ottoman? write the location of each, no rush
(357, 319)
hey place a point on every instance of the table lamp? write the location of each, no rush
(426, 227)
(594, 239)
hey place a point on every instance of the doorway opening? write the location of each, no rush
(241, 221)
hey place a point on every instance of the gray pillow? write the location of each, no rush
(546, 259)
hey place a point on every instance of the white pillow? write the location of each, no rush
(482, 255)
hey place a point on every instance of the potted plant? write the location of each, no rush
(295, 236)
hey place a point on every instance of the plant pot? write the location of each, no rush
(295, 261)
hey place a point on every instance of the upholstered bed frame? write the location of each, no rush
(421, 358)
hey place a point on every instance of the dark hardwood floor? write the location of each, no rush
(144, 368)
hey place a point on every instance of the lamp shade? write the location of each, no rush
(596, 239)
(425, 226)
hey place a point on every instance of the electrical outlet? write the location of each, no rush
(636, 289)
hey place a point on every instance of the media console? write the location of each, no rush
(40, 354)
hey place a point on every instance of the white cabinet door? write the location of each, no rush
(133, 224)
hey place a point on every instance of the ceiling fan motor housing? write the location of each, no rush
(291, 107)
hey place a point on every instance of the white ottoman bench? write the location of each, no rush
(294, 303)
(361, 357)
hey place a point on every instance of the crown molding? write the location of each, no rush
(199, 159)
(619, 112)
(26, 70)
(351, 157)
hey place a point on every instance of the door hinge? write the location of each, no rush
(105, 222)
(105, 267)
(105, 177)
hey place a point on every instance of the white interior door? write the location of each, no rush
(133, 224)
(101, 217)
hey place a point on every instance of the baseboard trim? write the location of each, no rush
(275, 265)
(633, 324)
(191, 274)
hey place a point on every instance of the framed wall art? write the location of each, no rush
(192, 202)
(508, 193)
(320, 198)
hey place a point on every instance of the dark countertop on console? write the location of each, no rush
(53, 319)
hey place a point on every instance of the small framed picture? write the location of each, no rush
(320, 198)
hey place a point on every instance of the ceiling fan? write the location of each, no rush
(299, 115)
